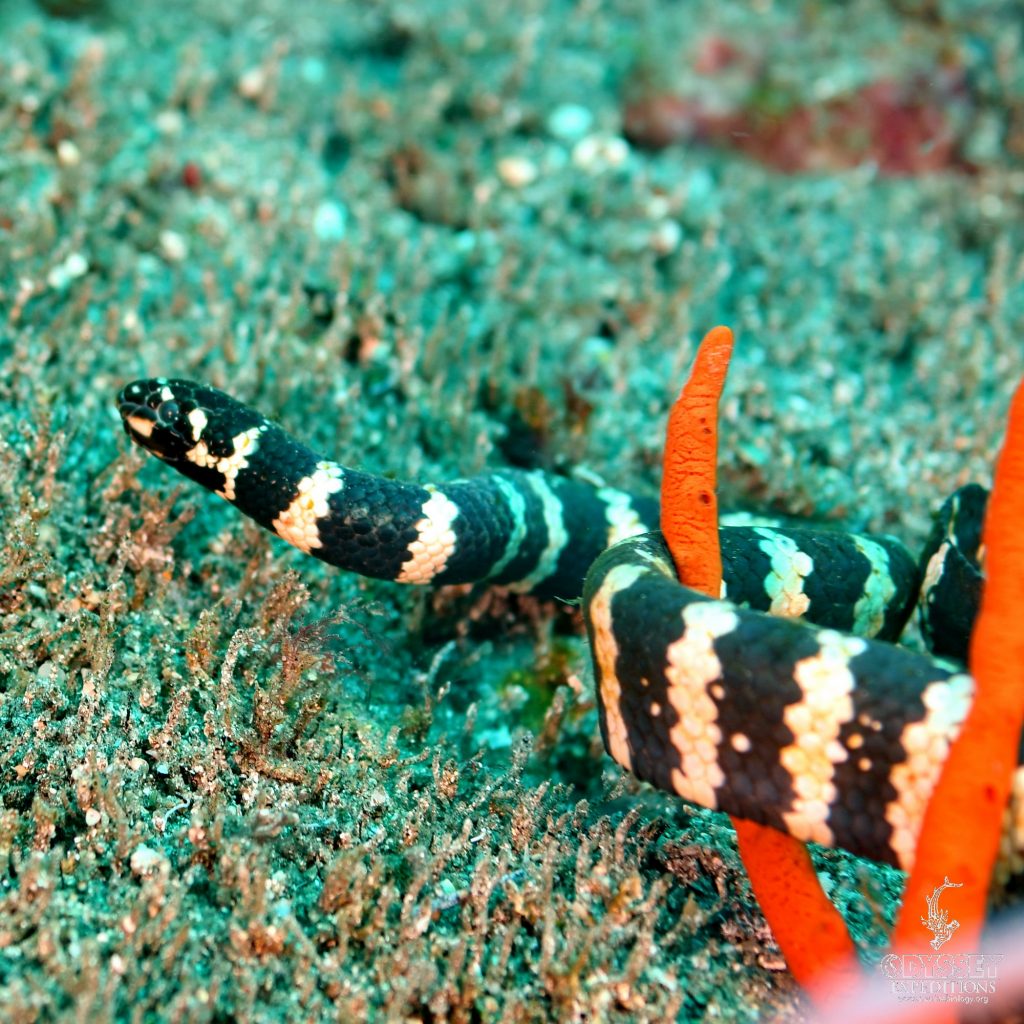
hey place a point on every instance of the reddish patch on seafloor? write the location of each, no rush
(902, 127)
(192, 176)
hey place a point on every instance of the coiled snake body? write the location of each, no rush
(826, 731)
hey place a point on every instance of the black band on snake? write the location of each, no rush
(832, 737)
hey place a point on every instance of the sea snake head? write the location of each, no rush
(238, 454)
(179, 421)
(204, 433)
(161, 416)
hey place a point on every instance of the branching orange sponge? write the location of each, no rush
(809, 930)
(689, 506)
(963, 823)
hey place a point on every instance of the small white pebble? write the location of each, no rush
(251, 83)
(173, 246)
(75, 265)
(483, 190)
(658, 207)
(844, 393)
(665, 237)
(599, 152)
(569, 122)
(991, 206)
(170, 122)
(144, 860)
(330, 221)
(47, 672)
(92, 817)
(517, 171)
(68, 154)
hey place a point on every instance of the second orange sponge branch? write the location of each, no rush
(809, 930)
(964, 821)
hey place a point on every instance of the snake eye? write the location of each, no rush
(168, 412)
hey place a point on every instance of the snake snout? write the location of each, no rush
(155, 419)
